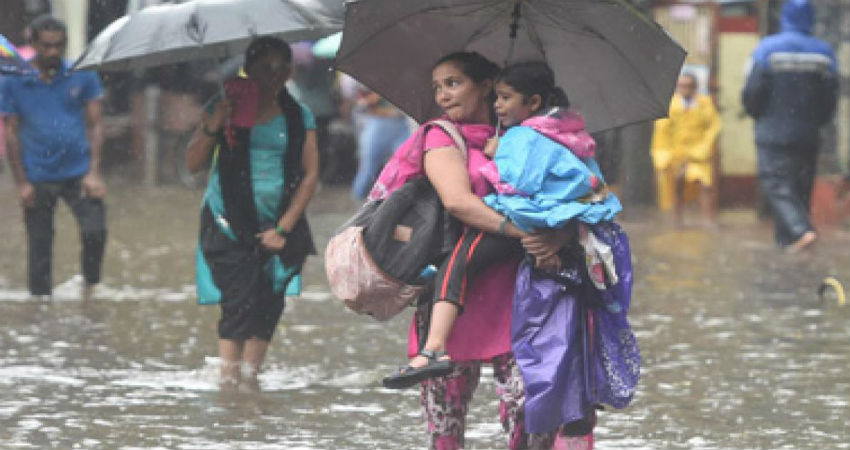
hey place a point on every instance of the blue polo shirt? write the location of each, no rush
(52, 118)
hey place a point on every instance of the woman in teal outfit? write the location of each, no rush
(253, 237)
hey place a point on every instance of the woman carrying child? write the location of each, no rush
(463, 84)
(545, 178)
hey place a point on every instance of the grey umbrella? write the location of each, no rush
(616, 65)
(200, 29)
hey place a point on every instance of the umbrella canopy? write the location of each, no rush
(616, 65)
(198, 29)
(11, 62)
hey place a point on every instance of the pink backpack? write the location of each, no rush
(353, 273)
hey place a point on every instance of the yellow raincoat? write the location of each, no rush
(685, 142)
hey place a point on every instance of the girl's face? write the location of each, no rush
(461, 98)
(512, 107)
(270, 71)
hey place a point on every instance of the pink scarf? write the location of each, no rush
(566, 128)
(407, 161)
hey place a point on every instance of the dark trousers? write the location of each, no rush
(91, 218)
(786, 176)
(474, 252)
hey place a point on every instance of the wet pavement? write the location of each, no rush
(738, 351)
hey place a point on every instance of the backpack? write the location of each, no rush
(375, 262)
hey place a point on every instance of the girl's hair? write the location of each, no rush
(472, 64)
(259, 48)
(530, 78)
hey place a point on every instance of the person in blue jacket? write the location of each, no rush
(791, 93)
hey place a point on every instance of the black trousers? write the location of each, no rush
(90, 214)
(786, 176)
(474, 252)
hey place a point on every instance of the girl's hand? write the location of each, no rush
(271, 241)
(491, 147)
(546, 243)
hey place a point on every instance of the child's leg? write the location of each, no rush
(474, 252)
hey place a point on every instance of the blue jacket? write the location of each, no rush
(793, 86)
(551, 179)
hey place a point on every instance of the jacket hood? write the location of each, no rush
(566, 128)
(798, 15)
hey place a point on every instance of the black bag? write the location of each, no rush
(410, 229)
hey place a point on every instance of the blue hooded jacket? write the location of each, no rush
(793, 87)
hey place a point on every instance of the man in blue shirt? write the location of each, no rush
(54, 138)
(791, 92)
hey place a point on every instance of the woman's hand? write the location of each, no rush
(222, 111)
(271, 241)
(550, 263)
(546, 243)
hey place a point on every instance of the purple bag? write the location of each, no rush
(573, 348)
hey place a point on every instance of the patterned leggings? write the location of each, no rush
(445, 402)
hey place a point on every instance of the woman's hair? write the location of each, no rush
(472, 64)
(259, 48)
(530, 78)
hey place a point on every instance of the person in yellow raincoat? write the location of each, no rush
(683, 150)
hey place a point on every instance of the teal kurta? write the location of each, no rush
(268, 150)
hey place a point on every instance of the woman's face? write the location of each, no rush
(512, 107)
(270, 71)
(461, 98)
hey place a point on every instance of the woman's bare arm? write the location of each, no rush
(200, 146)
(446, 169)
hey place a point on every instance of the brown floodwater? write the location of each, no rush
(738, 351)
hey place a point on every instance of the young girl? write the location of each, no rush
(544, 176)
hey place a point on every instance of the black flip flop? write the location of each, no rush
(408, 376)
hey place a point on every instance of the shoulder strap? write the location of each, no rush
(453, 132)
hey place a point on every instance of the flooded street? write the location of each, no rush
(738, 352)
